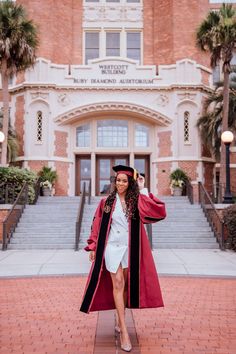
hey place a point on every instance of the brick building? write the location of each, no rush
(116, 81)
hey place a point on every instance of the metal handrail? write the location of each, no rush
(36, 190)
(89, 192)
(80, 217)
(8, 192)
(189, 191)
(11, 220)
(216, 223)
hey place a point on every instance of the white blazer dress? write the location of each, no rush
(116, 251)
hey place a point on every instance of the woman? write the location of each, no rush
(123, 272)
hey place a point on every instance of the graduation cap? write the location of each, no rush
(142, 174)
(129, 171)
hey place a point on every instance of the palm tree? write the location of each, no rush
(217, 35)
(18, 42)
(210, 123)
(12, 141)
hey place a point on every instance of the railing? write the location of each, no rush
(189, 191)
(149, 233)
(12, 218)
(217, 190)
(89, 191)
(80, 217)
(8, 193)
(36, 191)
(212, 216)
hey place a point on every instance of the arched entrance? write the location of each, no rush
(107, 134)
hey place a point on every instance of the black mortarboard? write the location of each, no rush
(124, 169)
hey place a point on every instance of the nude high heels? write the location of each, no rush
(127, 347)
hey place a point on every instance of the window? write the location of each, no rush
(113, 0)
(132, 1)
(39, 127)
(133, 45)
(112, 44)
(141, 135)
(186, 127)
(91, 45)
(83, 136)
(112, 133)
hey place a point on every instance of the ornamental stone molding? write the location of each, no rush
(162, 100)
(187, 96)
(39, 94)
(115, 108)
(63, 99)
(101, 13)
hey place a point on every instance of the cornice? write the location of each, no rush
(47, 86)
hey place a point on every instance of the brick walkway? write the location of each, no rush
(40, 315)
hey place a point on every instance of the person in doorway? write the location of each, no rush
(123, 272)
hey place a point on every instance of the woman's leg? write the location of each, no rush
(118, 281)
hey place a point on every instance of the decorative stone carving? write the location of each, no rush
(187, 96)
(63, 99)
(38, 94)
(162, 100)
(68, 116)
(112, 13)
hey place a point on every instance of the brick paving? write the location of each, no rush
(41, 315)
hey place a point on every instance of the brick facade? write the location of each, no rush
(62, 183)
(163, 178)
(37, 165)
(60, 28)
(61, 144)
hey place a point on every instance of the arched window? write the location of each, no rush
(186, 128)
(39, 127)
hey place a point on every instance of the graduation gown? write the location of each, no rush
(143, 284)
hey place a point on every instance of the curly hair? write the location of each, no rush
(131, 197)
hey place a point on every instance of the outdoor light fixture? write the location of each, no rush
(227, 137)
(2, 137)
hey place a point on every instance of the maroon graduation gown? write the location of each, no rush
(143, 284)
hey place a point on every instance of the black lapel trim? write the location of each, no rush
(98, 263)
(134, 261)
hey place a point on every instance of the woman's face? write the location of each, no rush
(122, 183)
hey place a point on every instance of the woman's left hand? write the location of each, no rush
(141, 182)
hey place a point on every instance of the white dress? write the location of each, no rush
(116, 251)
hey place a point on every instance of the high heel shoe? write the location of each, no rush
(127, 347)
(117, 328)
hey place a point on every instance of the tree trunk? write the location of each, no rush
(224, 127)
(5, 124)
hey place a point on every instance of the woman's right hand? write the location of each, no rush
(92, 256)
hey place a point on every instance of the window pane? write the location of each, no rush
(112, 133)
(133, 45)
(133, 0)
(113, 44)
(85, 168)
(113, 0)
(83, 136)
(91, 45)
(141, 135)
(91, 0)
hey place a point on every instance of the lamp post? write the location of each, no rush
(2, 138)
(227, 138)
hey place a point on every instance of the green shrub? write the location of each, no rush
(229, 215)
(16, 177)
(47, 174)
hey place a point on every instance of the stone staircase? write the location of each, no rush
(184, 227)
(50, 224)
